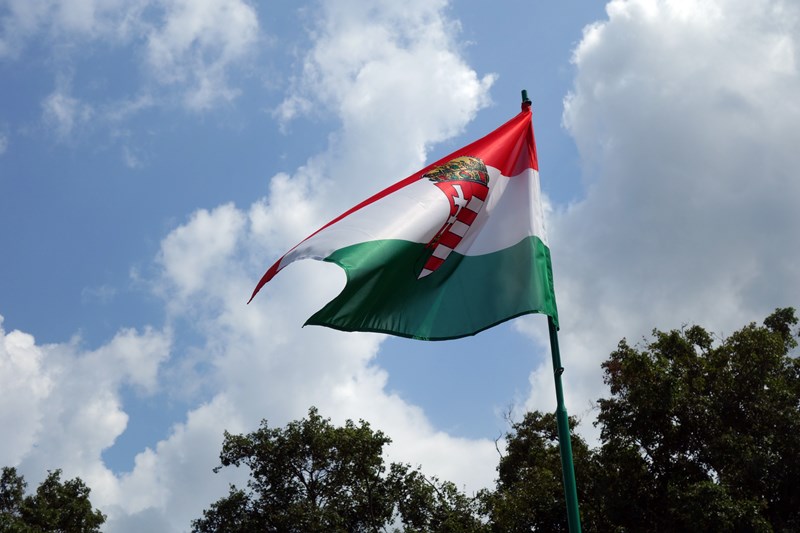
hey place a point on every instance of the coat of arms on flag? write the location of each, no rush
(465, 182)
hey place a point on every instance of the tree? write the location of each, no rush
(697, 434)
(529, 495)
(701, 436)
(12, 495)
(427, 505)
(311, 476)
(55, 506)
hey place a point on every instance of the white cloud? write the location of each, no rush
(169, 485)
(62, 113)
(96, 18)
(102, 294)
(3, 143)
(361, 56)
(64, 401)
(121, 110)
(190, 46)
(260, 362)
(25, 385)
(201, 248)
(25, 20)
(264, 364)
(22, 18)
(130, 158)
(197, 42)
(686, 118)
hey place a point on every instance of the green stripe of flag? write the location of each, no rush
(465, 296)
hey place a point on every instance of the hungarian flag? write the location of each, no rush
(451, 250)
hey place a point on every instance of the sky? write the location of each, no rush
(156, 156)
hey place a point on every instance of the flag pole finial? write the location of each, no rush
(526, 102)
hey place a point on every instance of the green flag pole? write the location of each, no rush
(564, 442)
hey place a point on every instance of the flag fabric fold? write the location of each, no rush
(452, 250)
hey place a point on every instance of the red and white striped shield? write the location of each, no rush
(465, 182)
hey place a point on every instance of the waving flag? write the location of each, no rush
(453, 249)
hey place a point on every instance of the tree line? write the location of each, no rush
(698, 433)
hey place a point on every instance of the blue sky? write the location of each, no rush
(157, 155)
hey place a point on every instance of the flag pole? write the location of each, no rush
(564, 442)
(562, 419)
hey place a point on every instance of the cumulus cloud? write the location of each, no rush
(208, 239)
(684, 114)
(63, 401)
(257, 361)
(186, 46)
(685, 117)
(263, 363)
(25, 385)
(360, 58)
(169, 484)
(197, 42)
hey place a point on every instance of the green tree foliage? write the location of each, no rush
(432, 505)
(56, 506)
(12, 495)
(530, 493)
(313, 477)
(696, 435)
(710, 431)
